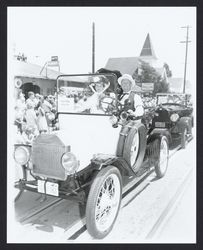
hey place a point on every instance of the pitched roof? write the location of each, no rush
(126, 65)
(26, 69)
(147, 50)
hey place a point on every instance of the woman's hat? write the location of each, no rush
(126, 77)
(99, 79)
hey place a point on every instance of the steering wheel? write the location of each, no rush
(107, 104)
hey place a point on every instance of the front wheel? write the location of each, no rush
(103, 202)
(161, 164)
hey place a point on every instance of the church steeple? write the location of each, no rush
(147, 50)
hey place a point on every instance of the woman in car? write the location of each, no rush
(91, 103)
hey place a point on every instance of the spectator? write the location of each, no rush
(51, 100)
(48, 112)
(30, 116)
(37, 99)
(28, 135)
(41, 119)
(47, 105)
(20, 110)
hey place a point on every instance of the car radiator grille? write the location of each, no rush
(46, 160)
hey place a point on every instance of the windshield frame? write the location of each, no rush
(171, 103)
(89, 75)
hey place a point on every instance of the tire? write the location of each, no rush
(184, 138)
(161, 163)
(102, 207)
(135, 146)
(121, 141)
(21, 175)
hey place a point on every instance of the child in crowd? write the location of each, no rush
(26, 137)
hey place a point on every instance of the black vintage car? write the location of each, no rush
(173, 117)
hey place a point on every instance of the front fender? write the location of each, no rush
(100, 161)
(184, 122)
(160, 131)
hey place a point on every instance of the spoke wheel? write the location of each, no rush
(103, 202)
(163, 152)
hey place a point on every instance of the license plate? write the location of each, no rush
(160, 124)
(47, 187)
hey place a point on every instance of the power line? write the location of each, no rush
(186, 50)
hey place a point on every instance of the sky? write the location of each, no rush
(42, 32)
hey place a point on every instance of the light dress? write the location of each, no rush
(41, 120)
(30, 116)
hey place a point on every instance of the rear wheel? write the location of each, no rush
(161, 164)
(103, 202)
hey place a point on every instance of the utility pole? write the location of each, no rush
(93, 47)
(186, 49)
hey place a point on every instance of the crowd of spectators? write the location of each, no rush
(33, 116)
(37, 114)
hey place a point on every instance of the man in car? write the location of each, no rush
(132, 102)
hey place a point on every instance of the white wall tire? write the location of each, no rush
(103, 202)
(161, 164)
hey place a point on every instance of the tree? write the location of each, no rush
(168, 71)
(148, 74)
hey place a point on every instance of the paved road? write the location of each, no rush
(137, 220)
(139, 215)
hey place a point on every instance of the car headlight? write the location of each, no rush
(113, 119)
(70, 163)
(174, 117)
(21, 155)
(124, 115)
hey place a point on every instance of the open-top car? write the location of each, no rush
(173, 117)
(98, 144)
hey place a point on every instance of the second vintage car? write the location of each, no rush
(173, 117)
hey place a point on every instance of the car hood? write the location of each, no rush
(88, 135)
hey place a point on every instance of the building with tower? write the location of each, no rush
(131, 65)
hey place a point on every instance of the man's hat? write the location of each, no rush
(127, 77)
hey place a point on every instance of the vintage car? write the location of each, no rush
(97, 145)
(173, 117)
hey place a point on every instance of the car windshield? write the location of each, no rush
(87, 94)
(171, 99)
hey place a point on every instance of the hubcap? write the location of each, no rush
(107, 202)
(163, 155)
